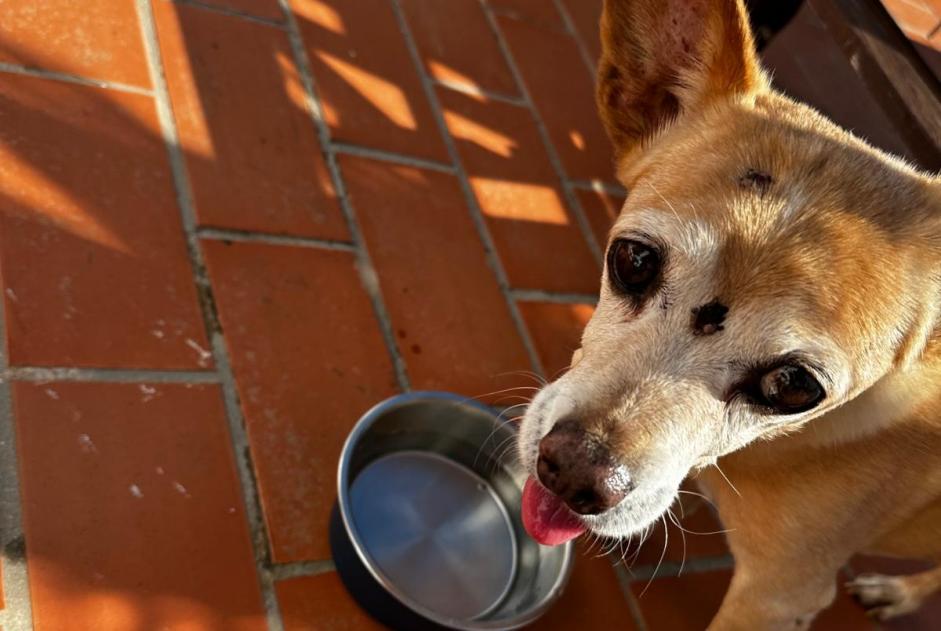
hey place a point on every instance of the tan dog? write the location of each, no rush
(771, 302)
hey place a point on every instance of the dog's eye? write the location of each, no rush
(632, 265)
(790, 389)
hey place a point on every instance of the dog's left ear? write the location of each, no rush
(664, 58)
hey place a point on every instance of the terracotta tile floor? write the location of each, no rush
(227, 228)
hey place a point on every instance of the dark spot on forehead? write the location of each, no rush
(756, 180)
(708, 318)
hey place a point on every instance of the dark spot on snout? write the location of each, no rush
(756, 180)
(578, 467)
(708, 318)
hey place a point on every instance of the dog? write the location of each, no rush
(769, 323)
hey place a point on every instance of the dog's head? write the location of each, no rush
(766, 268)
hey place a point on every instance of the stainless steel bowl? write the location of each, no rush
(426, 532)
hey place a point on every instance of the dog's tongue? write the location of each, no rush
(546, 518)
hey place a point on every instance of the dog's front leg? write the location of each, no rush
(788, 545)
(776, 594)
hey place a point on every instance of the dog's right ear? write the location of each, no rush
(661, 58)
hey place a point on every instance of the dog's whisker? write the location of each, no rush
(487, 395)
(663, 554)
(669, 205)
(605, 551)
(487, 440)
(539, 379)
(683, 537)
(698, 495)
(722, 473)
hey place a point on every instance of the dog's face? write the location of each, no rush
(766, 268)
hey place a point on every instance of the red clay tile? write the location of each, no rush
(321, 603)
(367, 83)
(556, 330)
(591, 600)
(131, 508)
(458, 45)
(685, 603)
(586, 15)
(308, 360)
(913, 17)
(251, 147)
(541, 12)
(537, 238)
(601, 209)
(97, 40)
(451, 321)
(95, 269)
(268, 9)
(845, 615)
(562, 89)
(933, 5)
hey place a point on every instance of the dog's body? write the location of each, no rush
(771, 303)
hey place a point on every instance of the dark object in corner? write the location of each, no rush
(768, 17)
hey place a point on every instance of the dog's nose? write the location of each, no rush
(577, 466)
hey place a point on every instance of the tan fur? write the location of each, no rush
(839, 259)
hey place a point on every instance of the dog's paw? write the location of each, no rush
(882, 597)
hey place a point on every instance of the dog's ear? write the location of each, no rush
(662, 58)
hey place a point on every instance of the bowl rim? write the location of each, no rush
(343, 502)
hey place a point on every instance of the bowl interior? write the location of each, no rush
(430, 491)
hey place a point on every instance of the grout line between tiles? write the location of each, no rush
(389, 156)
(70, 78)
(42, 374)
(478, 92)
(284, 571)
(367, 272)
(599, 187)
(248, 236)
(667, 569)
(16, 614)
(573, 32)
(236, 425)
(493, 258)
(235, 13)
(934, 31)
(538, 295)
(551, 152)
(624, 582)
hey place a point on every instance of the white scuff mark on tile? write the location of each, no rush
(157, 333)
(135, 491)
(159, 470)
(11, 295)
(52, 394)
(204, 355)
(149, 392)
(231, 510)
(181, 490)
(86, 444)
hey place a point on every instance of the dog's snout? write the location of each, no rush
(579, 468)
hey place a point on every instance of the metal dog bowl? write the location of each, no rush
(426, 532)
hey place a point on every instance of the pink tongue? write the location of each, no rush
(546, 518)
